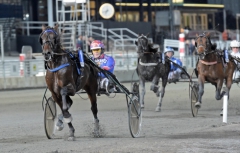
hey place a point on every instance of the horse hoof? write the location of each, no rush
(142, 106)
(158, 109)
(198, 105)
(96, 133)
(68, 120)
(59, 127)
(221, 114)
(72, 138)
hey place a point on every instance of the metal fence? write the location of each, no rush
(17, 68)
(35, 67)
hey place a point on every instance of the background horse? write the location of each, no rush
(211, 67)
(63, 80)
(151, 68)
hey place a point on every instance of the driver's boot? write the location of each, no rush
(111, 88)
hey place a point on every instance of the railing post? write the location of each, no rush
(28, 30)
(50, 12)
(2, 54)
(122, 39)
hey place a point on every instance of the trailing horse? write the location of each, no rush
(63, 77)
(212, 67)
(151, 67)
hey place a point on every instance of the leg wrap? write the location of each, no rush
(68, 120)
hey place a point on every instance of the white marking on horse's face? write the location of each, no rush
(142, 42)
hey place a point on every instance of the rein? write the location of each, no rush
(205, 53)
(58, 68)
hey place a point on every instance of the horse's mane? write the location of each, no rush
(214, 46)
(151, 49)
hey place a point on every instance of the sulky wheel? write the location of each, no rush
(134, 112)
(50, 113)
(194, 98)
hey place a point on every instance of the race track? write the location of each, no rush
(173, 130)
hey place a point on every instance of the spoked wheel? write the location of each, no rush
(50, 113)
(134, 113)
(194, 98)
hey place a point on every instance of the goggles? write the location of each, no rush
(96, 50)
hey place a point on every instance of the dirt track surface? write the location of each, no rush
(173, 130)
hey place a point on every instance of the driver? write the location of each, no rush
(234, 45)
(175, 72)
(104, 61)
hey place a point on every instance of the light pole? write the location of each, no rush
(171, 17)
(237, 22)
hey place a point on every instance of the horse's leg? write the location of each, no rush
(201, 81)
(228, 85)
(142, 91)
(219, 95)
(93, 98)
(154, 86)
(161, 93)
(67, 116)
(59, 124)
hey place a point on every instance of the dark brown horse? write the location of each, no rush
(63, 79)
(212, 67)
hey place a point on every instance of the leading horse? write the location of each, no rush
(63, 79)
(212, 67)
(151, 67)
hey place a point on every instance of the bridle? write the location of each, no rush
(207, 49)
(52, 43)
(144, 47)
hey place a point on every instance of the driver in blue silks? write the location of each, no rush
(105, 62)
(175, 72)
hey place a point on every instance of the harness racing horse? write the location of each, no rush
(211, 67)
(151, 68)
(63, 79)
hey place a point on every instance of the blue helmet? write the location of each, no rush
(168, 49)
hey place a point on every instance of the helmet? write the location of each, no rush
(234, 43)
(97, 44)
(168, 49)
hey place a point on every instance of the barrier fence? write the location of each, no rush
(18, 73)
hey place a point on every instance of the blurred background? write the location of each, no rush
(173, 23)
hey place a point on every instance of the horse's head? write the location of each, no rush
(49, 40)
(142, 43)
(203, 44)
